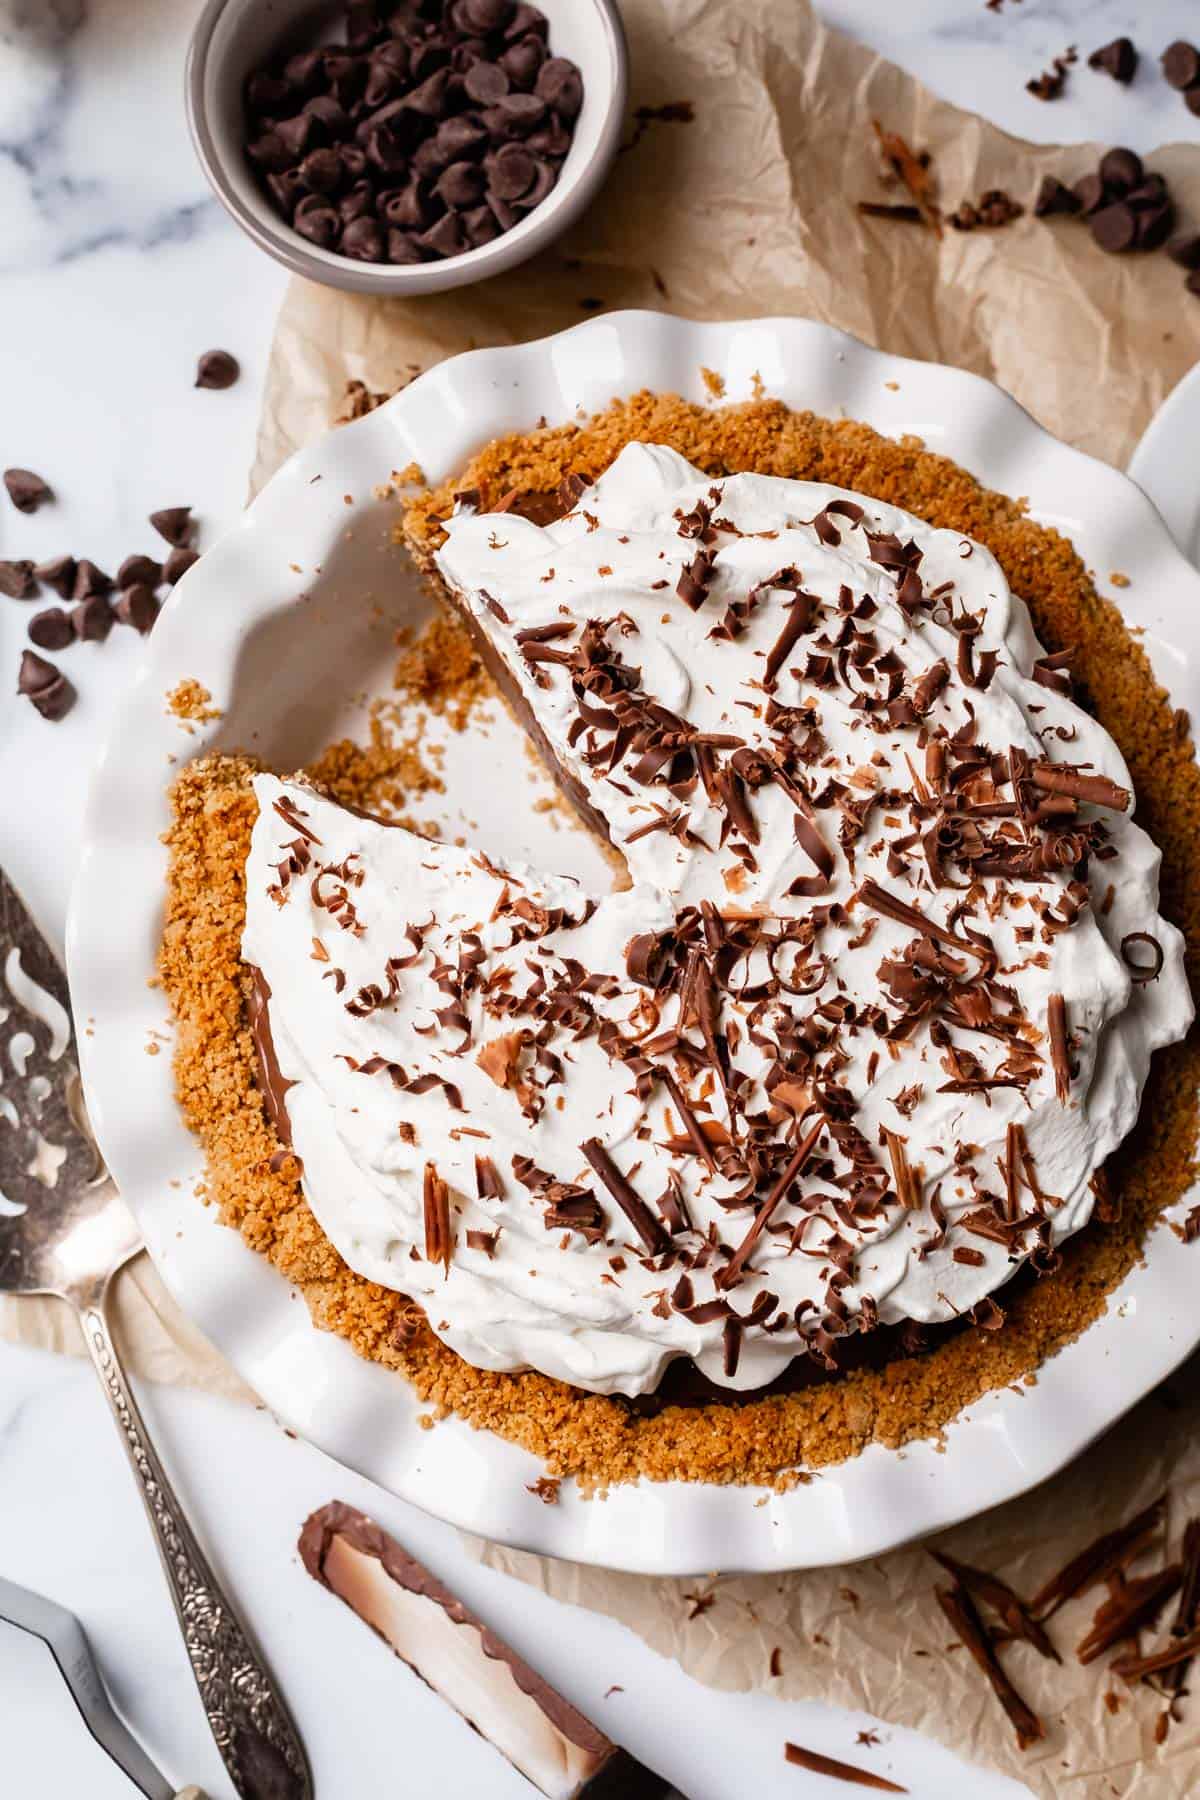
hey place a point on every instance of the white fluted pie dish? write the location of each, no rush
(288, 623)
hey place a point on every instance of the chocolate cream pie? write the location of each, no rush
(856, 1041)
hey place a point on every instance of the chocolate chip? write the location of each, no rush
(286, 190)
(393, 55)
(1154, 224)
(1090, 192)
(139, 568)
(269, 153)
(217, 369)
(268, 93)
(560, 86)
(305, 70)
(461, 185)
(316, 220)
(362, 24)
(26, 490)
(330, 118)
(92, 620)
(298, 135)
(90, 579)
(402, 247)
(486, 82)
(511, 173)
(1181, 64)
(460, 137)
(353, 159)
(383, 83)
(551, 139)
(1054, 196)
(174, 523)
(527, 20)
(345, 75)
(137, 606)
(429, 99)
(358, 203)
(1192, 99)
(1185, 251)
(47, 687)
(480, 226)
(58, 573)
(17, 580)
(51, 629)
(177, 564)
(1115, 227)
(363, 240)
(515, 114)
(406, 207)
(522, 61)
(1192, 284)
(545, 176)
(445, 238)
(484, 16)
(1118, 59)
(1120, 170)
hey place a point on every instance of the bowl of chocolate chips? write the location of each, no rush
(406, 146)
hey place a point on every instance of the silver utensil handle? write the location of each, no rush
(253, 1730)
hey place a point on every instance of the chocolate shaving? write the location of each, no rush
(960, 1611)
(695, 578)
(732, 1271)
(799, 619)
(1141, 972)
(818, 1764)
(631, 1204)
(1134, 1605)
(688, 1120)
(1098, 790)
(908, 1188)
(880, 901)
(1110, 1551)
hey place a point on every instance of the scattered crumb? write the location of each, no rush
(714, 383)
(190, 699)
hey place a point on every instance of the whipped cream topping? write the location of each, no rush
(853, 1046)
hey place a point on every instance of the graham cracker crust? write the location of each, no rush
(769, 1440)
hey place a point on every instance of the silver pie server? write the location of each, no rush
(64, 1230)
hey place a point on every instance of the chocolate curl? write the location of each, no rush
(960, 1611)
(1102, 1557)
(800, 617)
(908, 1190)
(627, 1198)
(1055, 778)
(439, 1244)
(1056, 1021)
(1002, 1599)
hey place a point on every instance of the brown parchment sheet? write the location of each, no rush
(747, 209)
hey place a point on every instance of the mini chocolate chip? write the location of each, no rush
(316, 220)
(178, 563)
(1090, 192)
(51, 629)
(406, 208)
(484, 16)
(545, 176)
(480, 226)
(297, 135)
(1120, 170)
(387, 151)
(47, 687)
(486, 82)
(321, 170)
(359, 203)
(394, 55)
(305, 70)
(550, 139)
(511, 173)
(1183, 250)
(559, 84)
(1115, 227)
(427, 56)
(346, 75)
(329, 117)
(1118, 59)
(17, 580)
(26, 490)
(527, 19)
(1181, 64)
(139, 568)
(383, 83)
(287, 190)
(92, 619)
(1154, 225)
(461, 185)
(216, 369)
(445, 238)
(1054, 196)
(90, 579)
(267, 93)
(522, 61)
(517, 112)
(402, 247)
(137, 606)
(502, 212)
(363, 241)
(269, 153)
(429, 99)
(353, 159)
(59, 574)
(362, 23)
(174, 523)
(460, 137)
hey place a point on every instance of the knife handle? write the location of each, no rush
(253, 1729)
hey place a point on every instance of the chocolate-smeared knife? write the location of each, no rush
(553, 1745)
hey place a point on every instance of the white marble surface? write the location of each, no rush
(116, 270)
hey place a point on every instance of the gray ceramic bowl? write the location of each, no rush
(233, 37)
